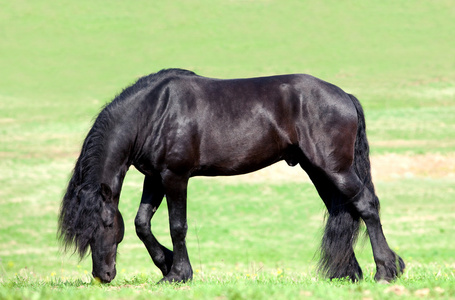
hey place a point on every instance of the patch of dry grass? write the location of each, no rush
(384, 168)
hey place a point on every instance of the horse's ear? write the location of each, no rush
(106, 192)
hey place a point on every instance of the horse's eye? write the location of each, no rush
(110, 225)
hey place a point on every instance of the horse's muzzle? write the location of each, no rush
(105, 277)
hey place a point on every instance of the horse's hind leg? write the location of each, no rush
(388, 264)
(152, 196)
(337, 258)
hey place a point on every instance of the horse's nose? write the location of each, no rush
(105, 277)
(110, 275)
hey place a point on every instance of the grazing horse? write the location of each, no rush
(174, 124)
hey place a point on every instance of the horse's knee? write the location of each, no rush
(142, 226)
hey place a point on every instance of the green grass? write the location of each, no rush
(424, 130)
(240, 286)
(61, 61)
(248, 240)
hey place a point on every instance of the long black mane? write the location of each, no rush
(80, 209)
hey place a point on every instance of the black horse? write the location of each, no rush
(174, 124)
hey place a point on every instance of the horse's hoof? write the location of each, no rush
(163, 281)
(169, 279)
(383, 281)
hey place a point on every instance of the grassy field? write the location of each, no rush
(253, 237)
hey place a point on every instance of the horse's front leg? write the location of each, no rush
(152, 196)
(176, 191)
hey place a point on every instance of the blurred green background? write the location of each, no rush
(61, 61)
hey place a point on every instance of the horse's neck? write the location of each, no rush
(114, 165)
(116, 144)
(115, 180)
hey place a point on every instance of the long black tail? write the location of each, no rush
(362, 152)
(337, 259)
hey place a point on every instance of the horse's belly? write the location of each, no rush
(240, 157)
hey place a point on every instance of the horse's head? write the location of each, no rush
(106, 238)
